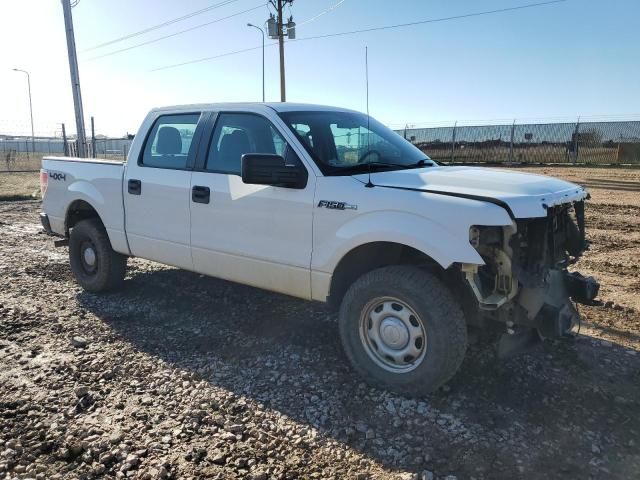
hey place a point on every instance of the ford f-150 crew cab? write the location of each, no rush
(328, 204)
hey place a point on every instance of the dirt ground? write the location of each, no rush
(182, 376)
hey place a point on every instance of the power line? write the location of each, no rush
(195, 27)
(160, 25)
(108, 54)
(213, 57)
(433, 20)
(324, 12)
(372, 29)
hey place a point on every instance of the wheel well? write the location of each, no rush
(79, 210)
(370, 256)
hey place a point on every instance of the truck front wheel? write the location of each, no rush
(96, 266)
(402, 330)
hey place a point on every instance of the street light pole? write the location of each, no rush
(262, 32)
(33, 136)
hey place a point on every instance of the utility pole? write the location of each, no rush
(275, 27)
(65, 147)
(75, 78)
(283, 89)
(93, 138)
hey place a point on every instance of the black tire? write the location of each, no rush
(440, 317)
(108, 268)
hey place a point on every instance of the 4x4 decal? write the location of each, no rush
(57, 176)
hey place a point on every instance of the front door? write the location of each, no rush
(253, 234)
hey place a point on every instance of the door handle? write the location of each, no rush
(134, 187)
(200, 194)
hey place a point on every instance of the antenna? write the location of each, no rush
(366, 76)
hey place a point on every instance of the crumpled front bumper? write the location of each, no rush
(558, 315)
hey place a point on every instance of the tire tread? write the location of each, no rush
(115, 264)
(441, 305)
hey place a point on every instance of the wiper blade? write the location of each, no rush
(385, 164)
(367, 165)
(421, 163)
(418, 164)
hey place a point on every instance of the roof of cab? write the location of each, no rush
(277, 106)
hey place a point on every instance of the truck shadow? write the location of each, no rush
(285, 353)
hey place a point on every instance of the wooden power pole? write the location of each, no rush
(75, 78)
(276, 29)
(283, 89)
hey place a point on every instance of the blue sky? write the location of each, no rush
(574, 58)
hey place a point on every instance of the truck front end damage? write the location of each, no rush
(525, 281)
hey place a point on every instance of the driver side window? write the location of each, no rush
(238, 133)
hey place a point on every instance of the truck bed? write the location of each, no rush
(84, 160)
(96, 182)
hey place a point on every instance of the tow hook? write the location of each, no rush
(556, 318)
(581, 289)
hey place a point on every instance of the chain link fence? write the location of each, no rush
(23, 154)
(605, 143)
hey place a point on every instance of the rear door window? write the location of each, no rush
(169, 142)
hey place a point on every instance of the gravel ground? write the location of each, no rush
(182, 376)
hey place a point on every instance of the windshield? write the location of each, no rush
(343, 143)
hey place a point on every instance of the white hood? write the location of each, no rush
(524, 193)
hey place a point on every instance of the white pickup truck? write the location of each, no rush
(328, 204)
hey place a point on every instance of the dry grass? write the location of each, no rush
(21, 161)
(19, 186)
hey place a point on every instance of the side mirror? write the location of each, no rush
(268, 169)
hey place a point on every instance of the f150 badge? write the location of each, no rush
(333, 205)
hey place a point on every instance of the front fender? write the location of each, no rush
(404, 228)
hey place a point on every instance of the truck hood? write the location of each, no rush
(527, 195)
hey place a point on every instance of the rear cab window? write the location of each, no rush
(169, 142)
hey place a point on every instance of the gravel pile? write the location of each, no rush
(182, 376)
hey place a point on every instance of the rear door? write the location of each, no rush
(258, 235)
(157, 190)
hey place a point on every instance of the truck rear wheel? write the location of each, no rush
(96, 266)
(402, 330)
